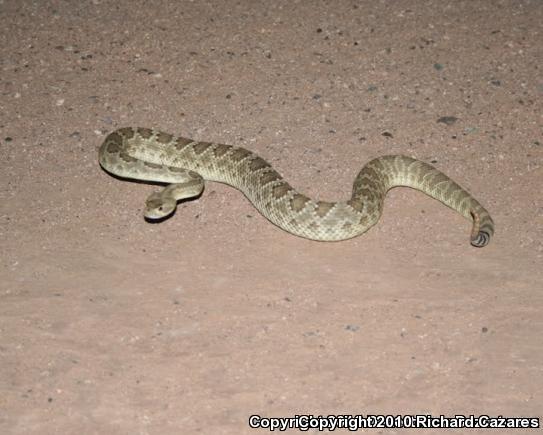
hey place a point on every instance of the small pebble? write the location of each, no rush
(448, 120)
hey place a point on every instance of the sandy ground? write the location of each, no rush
(111, 325)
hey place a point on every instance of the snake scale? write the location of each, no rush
(183, 164)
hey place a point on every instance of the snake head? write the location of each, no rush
(159, 207)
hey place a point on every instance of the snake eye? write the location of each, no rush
(161, 208)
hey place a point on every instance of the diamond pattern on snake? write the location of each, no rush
(184, 164)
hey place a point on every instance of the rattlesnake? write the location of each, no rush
(184, 164)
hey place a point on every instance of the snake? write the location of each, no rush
(183, 164)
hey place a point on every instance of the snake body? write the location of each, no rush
(184, 164)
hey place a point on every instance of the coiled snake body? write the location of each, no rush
(184, 164)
